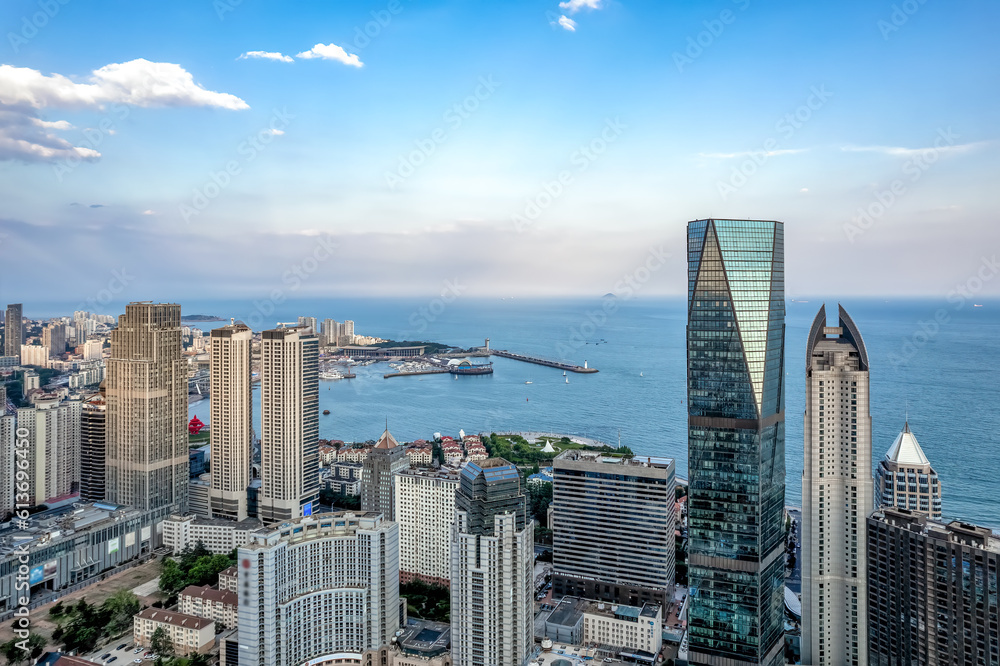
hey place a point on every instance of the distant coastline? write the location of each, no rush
(201, 317)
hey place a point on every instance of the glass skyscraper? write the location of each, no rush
(736, 441)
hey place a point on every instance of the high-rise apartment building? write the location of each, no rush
(736, 441)
(932, 591)
(13, 334)
(146, 394)
(347, 332)
(231, 419)
(837, 495)
(906, 479)
(93, 350)
(378, 484)
(318, 589)
(310, 323)
(54, 337)
(52, 429)
(93, 449)
(492, 559)
(37, 355)
(289, 395)
(329, 332)
(8, 444)
(613, 527)
(425, 511)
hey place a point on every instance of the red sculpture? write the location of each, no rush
(195, 426)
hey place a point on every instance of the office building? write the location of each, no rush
(318, 588)
(906, 479)
(54, 337)
(837, 495)
(289, 393)
(736, 442)
(613, 527)
(932, 591)
(52, 430)
(93, 448)
(13, 331)
(231, 418)
(492, 559)
(378, 483)
(425, 511)
(147, 404)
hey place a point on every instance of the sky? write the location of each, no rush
(232, 148)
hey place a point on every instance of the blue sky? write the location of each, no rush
(869, 128)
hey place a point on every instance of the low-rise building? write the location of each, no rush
(352, 454)
(220, 606)
(188, 633)
(218, 536)
(343, 477)
(420, 456)
(228, 578)
(628, 628)
(544, 476)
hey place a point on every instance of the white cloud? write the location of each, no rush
(275, 132)
(573, 6)
(266, 55)
(896, 151)
(25, 92)
(149, 212)
(567, 23)
(331, 52)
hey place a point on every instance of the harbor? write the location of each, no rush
(584, 369)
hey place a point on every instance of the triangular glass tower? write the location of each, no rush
(736, 441)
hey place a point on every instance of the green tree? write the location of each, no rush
(121, 606)
(172, 578)
(14, 654)
(161, 644)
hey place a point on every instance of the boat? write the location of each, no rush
(641, 375)
(567, 380)
(326, 412)
(528, 382)
(456, 378)
(564, 373)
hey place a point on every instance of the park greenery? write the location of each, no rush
(517, 450)
(194, 566)
(339, 500)
(428, 602)
(14, 653)
(82, 626)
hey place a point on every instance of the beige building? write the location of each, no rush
(147, 440)
(8, 440)
(837, 495)
(627, 627)
(220, 606)
(906, 479)
(52, 429)
(35, 355)
(420, 456)
(231, 420)
(289, 424)
(228, 578)
(425, 511)
(188, 633)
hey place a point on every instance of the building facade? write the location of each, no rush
(613, 527)
(52, 429)
(906, 479)
(37, 355)
(231, 418)
(425, 511)
(147, 405)
(736, 441)
(13, 333)
(837, 495)
(378, 484)
(289, 454)
(492, 559)
(54, 337)
(318, 588)
(932, 591)
(93, 449)
(8, 451)
(218, 535)
(219, 606)
(188, 633)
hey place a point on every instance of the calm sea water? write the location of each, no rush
(946, 377)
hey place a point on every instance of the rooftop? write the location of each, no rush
(212, 594)
(956, 531)
(905, 450)
(174, 618)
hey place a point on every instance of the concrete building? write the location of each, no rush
(37, 355)
(54, 337)
(188, 633)
(425, 511)
(334, 570)
(736, 441)
(231, 419)
(93, 448)
(932, 591)
(52, 430)
(328, 332)
(378, 484)
(290, 424)
(8, 448)
(146, 394)
(219, 606)
(837, 495)
(420, 456)
(613, 628)
(613, 527)
(199, 495)
(218, 535)
(343, 477)
(309, 323)
(492, 558)
(228, 579)
(31, 382)
(93, 350)
(13, 324)
(906, 479)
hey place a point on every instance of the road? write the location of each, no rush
(793, 580)
(121, 657)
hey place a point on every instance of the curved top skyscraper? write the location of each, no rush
(736, 441)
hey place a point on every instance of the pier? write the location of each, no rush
(432, 371)
(543, 361)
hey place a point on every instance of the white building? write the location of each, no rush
(231, 419)
(35, 355)
(219, 536)
(905, 478)
(317, 589)
(425, 511)
(93, 350)
(188, 633)
(8, 443)
(625, 627)
(52, 429)
(837, 495)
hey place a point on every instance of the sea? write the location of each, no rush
(934, 362)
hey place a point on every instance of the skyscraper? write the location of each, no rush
(146, 393)
(13, 336)
(8, 439)
(425, 511)
(231, 419)
(837, 495)
(613, 527)
(906, 479)
(93, 449)
(289, 395)
(54, 337)
(379, 483)
(736, 441)
(492, 559)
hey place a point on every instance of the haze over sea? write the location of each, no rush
(948, 379)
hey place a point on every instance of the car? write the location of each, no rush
(122, 646)
(137, 650)
(147, 654)
(105, 656)
(154, 656)
(137, 661)
(112, 659)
